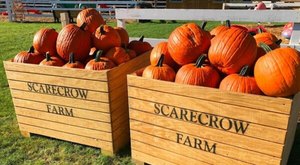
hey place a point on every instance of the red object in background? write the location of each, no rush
(287, 30)
(5, 13)
(34, 11)
(255, 30)
(260, 6)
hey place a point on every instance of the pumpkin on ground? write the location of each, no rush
(118, 55)
(158, 50)
(45, 41)
(232, 50)
(73, 39)
(278, 72)
(187, 42)
(72, 63)
(139, 46)
(240, 83)
(123, 35)
(29, 56)
(106, 37)
(52, 61)
(160, 71)
(198, 73)
(91, 17)
(100, 63)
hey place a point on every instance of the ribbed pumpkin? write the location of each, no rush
(139, 72)
(159, 71)
(73, 39)
(29, 56)
(91, 17)
(118, 55)
(52, 61)
(278, 72)
(219, 29)
(139, 46)
(106, 37)
(158, 50)
(100, 63)
(203, 25)
(198, 73)
(268, 38)
(72, 63)
(187, 42)
(123, 35)
(232, 50)
(240, 83)
(45, 41)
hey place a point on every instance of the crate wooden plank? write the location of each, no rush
(100, 135)
(147, 158)
(84, 123)
(64, 72)
(85, 104)
(62, 110)
(278, 105)
(68, 137)
(65, 91)
(38, 79)
(169, 139)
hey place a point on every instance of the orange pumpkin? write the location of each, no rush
(219, 29)
(91, 17)
(72, 63)
(52, 61)
(203, 25)
(73, 39)
(100, 63)
(45, 41)
(232, 50)
(198, 73)
(123, 34)
(139, 72)
(160, 71)
(106, 37)
(118, 55)
(240, 83)
(140, 46)
(158, 50)
(277, 73)
(29, 56)
(187, 42)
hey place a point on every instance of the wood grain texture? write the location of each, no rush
(137, 156)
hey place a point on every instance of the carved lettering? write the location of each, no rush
(59, 110)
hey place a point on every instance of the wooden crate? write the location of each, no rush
(77, 105)
(172, 123)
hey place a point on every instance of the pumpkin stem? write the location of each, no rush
(259, 30)
(160, 61)
(102, 31)
(123, 45)
(48, 57)
(265, 47)
(31, 49)
(98, 55)
(71, 58)
(83, 26)
(228, 24)
(200, 61)
(142, 38)
(244, 71)
(203, 25)
(278, 42)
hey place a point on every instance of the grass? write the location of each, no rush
(15, 149)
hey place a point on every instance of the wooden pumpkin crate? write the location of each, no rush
(172, 123)
(76, 105)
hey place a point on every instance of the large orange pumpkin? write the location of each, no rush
(232, 50)
(106, 37)
(240, 83)
(118, 55)
(203, 25)
(100, 63)
(91, 17)
(29, 56)
(124, 35)
(198, 73)
(139, 46)
(219, 29)
(278, 72)
(52, 61)
(268, 38)
(158, 50)
(73, 64)
(187, 42)
(45, 41)
(73, 39)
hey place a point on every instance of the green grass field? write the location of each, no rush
(15, 149)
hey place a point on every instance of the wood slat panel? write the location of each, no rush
(65, 128)
(68, 137)
(59, 81)
(166, 138)
(279, 105)
(65, 72)
(249, 143)
(84, 123)
(142, 157)
(77, 112)
(84, 104)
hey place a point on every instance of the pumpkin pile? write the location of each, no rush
(228, 57)
(90, 44)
